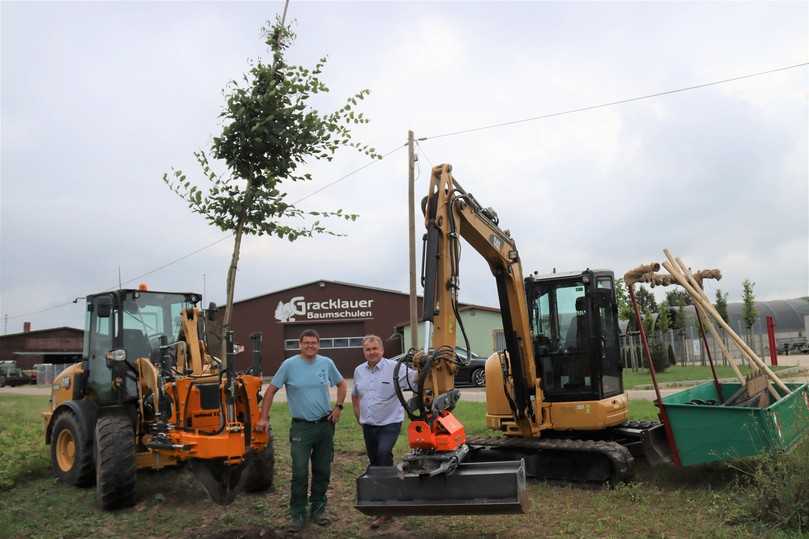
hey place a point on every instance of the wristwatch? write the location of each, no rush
(340, 406)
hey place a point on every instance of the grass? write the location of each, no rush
(170, 503)
(677, 373)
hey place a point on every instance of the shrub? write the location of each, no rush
(775, 490)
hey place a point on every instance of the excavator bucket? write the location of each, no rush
(472, 488)
(219, 479)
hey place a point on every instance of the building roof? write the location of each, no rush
(41, 331)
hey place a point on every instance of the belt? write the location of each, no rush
(323, 419)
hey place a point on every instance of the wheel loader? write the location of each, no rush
(555, 393)
(148, 394)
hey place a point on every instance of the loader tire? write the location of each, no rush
(258, 474)
(2, 381)
(115, 462)
(71, 451)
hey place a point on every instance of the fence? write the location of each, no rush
(687, 347)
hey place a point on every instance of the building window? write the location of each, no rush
(499, 340)
(327, 343)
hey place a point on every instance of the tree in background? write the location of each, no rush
(678, 297)
(721, 304)
(664, 318)
(749, 312)
(646, 300)
(621, 298)
(270, 130)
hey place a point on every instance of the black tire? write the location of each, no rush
(478, 377)
(2, 381)
(115, 462)
(71, 451)
(258, 474)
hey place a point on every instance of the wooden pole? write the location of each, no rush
(411, 198)
(675, 268)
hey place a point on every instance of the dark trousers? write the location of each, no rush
(379, 442)
(315, 442)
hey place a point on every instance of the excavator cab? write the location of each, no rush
(575, 331)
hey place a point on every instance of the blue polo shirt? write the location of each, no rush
(307, 384)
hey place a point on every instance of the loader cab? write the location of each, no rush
(121, 326)
(574, 323)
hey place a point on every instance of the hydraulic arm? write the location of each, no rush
(433, 478)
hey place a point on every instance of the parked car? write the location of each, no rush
(473, 374)
(11, 375)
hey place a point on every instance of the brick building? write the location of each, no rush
(342, 313)
(56, 345)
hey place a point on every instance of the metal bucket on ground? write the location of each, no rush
(473, 488)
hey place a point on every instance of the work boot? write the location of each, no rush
(297, 522)
(321, 518)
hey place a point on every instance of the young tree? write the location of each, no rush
(749, 313)
(646, 300)
(270, 130)
(663, 318)
(678, 297)
(722, 304)
(624, 308)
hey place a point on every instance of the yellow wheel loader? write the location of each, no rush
(555, 393)
(147, 394)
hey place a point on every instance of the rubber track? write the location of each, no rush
(115, 462)
(620, 458)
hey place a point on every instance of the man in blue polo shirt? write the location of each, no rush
(307, 377)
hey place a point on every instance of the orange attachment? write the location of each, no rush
(143, 287)
(446, 434)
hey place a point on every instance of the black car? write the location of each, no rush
(472, 375)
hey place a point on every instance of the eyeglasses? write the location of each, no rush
(310, 343)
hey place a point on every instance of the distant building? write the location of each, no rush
(342, 313)
(55, 345)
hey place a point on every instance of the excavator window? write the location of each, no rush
(560, 327)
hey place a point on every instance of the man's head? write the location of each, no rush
(372, 349)
(309, 342)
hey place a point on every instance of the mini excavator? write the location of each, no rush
(148, 394)
(555, 393)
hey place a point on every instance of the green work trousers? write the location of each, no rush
(315, 442)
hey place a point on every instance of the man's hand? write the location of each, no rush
(334, 416)
(262, 424)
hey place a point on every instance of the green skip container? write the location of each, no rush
(708, 433)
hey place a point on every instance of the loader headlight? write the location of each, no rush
(116, 355)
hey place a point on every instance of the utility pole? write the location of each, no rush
(204, 291)
(411, 199)
(5, 324)
(120, 284)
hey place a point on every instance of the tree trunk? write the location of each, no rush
(234, 264)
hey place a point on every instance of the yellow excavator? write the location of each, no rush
(149, 395)
(555, 393)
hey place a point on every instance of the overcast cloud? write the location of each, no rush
(98, 100)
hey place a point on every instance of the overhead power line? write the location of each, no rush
(612, 103)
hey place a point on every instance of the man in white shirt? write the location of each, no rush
(376, 406)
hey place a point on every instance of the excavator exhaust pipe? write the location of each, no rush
(472, 488)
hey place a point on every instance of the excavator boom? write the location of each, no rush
(435, 477)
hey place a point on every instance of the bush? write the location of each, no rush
(775, 490)
(660, 356)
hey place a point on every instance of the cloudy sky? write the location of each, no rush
(99, 99)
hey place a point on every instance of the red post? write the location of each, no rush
(664, 417)
(771, 337)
